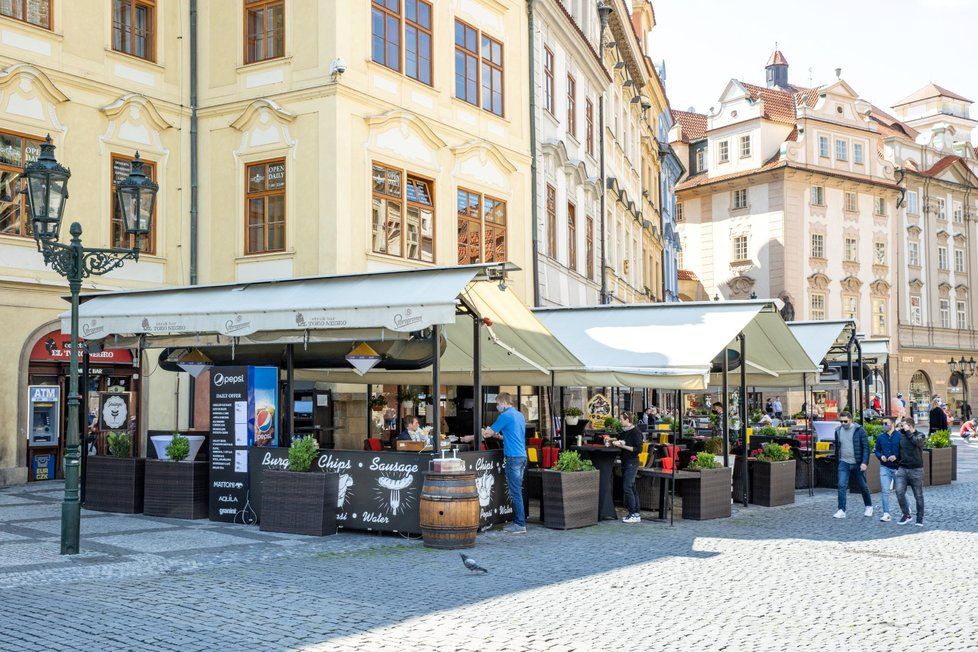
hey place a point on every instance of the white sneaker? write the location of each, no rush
(885, 517)
(632, 518)
(869, 511)
(839, 514)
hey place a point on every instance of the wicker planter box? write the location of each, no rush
(940, 463)
(648, 492)
(708, 496)
(175, 489)
(299, 503)
(872, 477)
(570, 500)
(772, 483)
(114, 484)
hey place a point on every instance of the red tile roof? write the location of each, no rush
(703, 178)
(779, 105)
(930, 91)
(686, 275)
(890, 126)
(692, 126)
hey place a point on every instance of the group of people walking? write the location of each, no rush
(900, 450)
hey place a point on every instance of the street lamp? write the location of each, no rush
(962, 367)
(47, 192)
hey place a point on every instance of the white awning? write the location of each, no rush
(671, 345)
(820, 338)
(875, 351)
(402, 301)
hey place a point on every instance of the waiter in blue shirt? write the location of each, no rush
(510, 426)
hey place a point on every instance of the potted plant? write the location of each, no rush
(176, 487)
(406, 399)
(378, 403)
(572, 415)
(114, 482)
(298, 500)
(612, 426)
(707, 496)
(772, 476)
(714, 446)
(937, 455)
(570, 493)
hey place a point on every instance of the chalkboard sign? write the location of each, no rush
(381, 491)
(229, 445)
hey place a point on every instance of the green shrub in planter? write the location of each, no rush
(773, 453)
(714, 446)
(571, 462)
(573, 412)
(612, 425)
(939, 439)
(120, 445)
(768, 431)
(701, 461)
(179, 448)
(302, 452)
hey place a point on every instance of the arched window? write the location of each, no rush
(920, 391)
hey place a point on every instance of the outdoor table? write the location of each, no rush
(603, 458)
(663, 477)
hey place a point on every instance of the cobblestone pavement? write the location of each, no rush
(765, 579)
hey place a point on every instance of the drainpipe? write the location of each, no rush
(533, 156)
(192, 387)
(604, 10)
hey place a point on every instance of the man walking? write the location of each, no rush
(778, 408)
(852, 451)
(510, 426)
(630, 444)
(887, 451)
(911, 471)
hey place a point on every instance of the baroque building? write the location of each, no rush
(788, 195)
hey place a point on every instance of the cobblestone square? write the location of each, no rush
(766, 579)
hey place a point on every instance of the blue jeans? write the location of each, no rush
(845, 470)
(887, 479)
(629, 469)
(514, 480)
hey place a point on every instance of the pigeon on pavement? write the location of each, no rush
(471, 565)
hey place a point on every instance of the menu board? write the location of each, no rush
(381, 491)
(229, 444)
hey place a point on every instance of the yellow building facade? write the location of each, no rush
(332, 138)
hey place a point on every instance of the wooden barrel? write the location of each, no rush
(449, 510)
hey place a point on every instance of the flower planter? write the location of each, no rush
(940, 463)
(772, 483)
(175, 489)
(114, 484)
(872, 477)
(299, 503)
(570, 500)
(572, 421)
(708, 496)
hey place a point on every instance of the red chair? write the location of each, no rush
(372, 444)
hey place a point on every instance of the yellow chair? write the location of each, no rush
(822, 448)
(643, 458)
(645, 448)
(533, 455)
(663, 426)
(663, 438)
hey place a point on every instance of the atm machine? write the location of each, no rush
(43, 431)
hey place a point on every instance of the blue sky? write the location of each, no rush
(887, 49)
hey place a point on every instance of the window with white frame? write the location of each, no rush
(700, 159)
(841, 150)
(912, 201)
(818, 195)
(852, 202)
(879, 253)
(958, 213)
(857, 153)
(818, 245)
(850, 250)
(679, 211)
(942, 258)
(916, 318)
(740, 247)
(740, 198)
(817, 306)
(879, 206)
(959, 261)
(823, 146)
(962, 315)
(945, 312)
(941, 209)
(745, 146)
(913, 253)
(850, 307)
(723, 151)
(879, 316)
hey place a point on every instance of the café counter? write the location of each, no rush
(380, 491)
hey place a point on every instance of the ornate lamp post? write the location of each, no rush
(47, 192)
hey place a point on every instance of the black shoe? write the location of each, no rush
(904, 520)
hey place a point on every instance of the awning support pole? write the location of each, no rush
(563, 422)
(724, 422)
(886, 387)
(553, 406)
(370, 391)
(436, 388)
(743, 414)
(808, 431)
(849, 367)
(290, 390)
(477, 382)
(675, 442)
(859, 371)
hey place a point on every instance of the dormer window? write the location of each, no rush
(745, 146)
